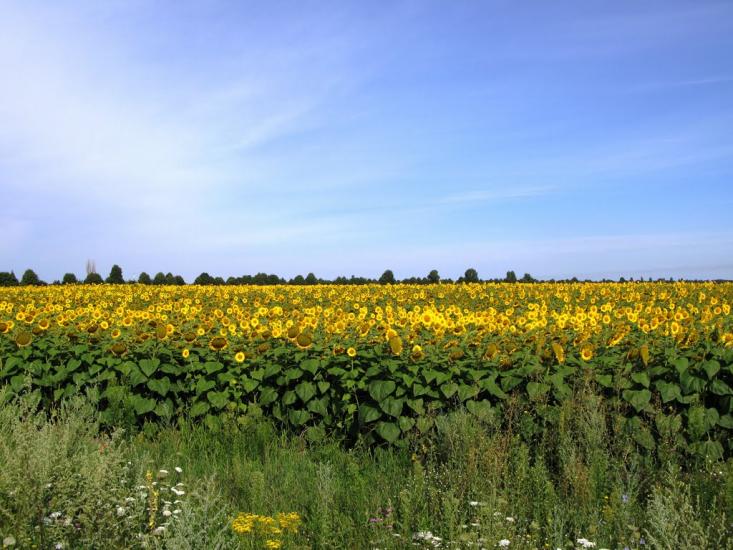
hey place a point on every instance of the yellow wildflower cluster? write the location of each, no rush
(270, 528)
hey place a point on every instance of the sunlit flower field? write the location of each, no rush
(568, 399)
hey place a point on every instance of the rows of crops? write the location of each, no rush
(382, 361)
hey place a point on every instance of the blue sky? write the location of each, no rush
(556, 138)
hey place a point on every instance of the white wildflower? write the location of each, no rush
(55, 515)
(167, 513)
(9, 541)
(503, 543)
(176, 511)
(162, 474)
(476, 503)
(585, 543)
(178, 470)
(509, 519)
(159, 530)
(177, 492)
(58, 546)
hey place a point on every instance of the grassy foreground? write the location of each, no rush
(580, 484)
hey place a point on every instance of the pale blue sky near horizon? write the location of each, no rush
(556, 138)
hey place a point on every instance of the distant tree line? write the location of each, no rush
(29, 278)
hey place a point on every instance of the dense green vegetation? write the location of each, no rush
(473, 482)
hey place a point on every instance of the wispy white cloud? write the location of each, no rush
(497, 194)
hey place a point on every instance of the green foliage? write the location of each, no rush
(93, 278)
(69, 279)
(391, 402)
(8, 279)
(30, 278)
(144, 279)
(65, 484)
(204, 279)
(471, 276)
(387, 278)
(115, 276)
(472, 479)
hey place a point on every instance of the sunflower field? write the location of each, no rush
(380, 362)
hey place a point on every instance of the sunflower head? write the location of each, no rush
(559, 352)
(456, 353)
(23, 339)
(304, 340)
(586, 353)
(118, 348)
(218, 343)
(417, 352)
(395, 345)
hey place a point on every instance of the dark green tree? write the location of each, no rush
(69, 279)
(311, 279)
(298, 280)
(115, 276)
(8, 279)
(511, 277)
(471, 276)
(30, 278)
(387, 278)
(144, 279)
(527, 278)
(433, 277)
(204, 279)
(93, 278)
(159, 278)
